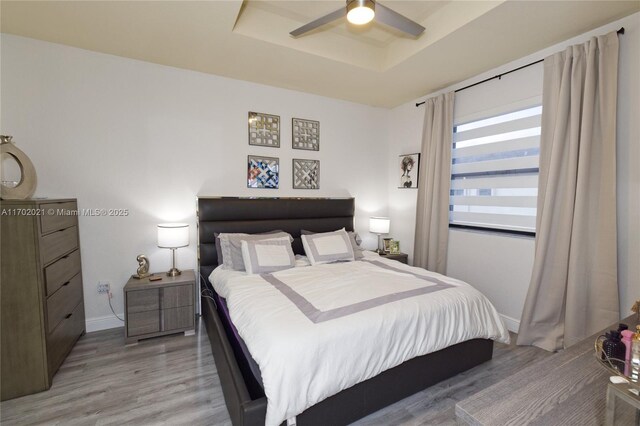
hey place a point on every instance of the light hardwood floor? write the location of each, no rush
(173, 381)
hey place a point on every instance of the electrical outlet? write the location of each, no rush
(104, 287)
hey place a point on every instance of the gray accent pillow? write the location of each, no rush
(328, 247)
(231, 246)
(216, 236)
(353, 237)
(218, 248)
(267, 256)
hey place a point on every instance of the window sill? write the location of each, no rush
(503, 232)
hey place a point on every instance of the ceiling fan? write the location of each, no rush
(360, 12)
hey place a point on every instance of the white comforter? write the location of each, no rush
(317, 330)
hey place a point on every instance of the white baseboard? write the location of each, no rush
(512, 324)
(103, 323)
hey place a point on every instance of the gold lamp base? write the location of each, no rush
(174, 272)
(380, 249)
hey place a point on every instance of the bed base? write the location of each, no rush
(350, 404)
(253, 215)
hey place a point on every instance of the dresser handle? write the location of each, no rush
(68, 315)
(67, 283)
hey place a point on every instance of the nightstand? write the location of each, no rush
(400, 257)
(157, 308)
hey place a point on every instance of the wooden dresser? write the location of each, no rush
(42, 305)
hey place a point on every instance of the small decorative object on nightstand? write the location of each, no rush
(156, 308)
(379, 225)
(386, 242)
(173, 236)
(400, 257)
(143, 267)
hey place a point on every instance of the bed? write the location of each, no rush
(241, 384)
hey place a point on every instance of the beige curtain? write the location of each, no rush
(432, 216)
(573, 291)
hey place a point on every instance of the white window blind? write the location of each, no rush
(494, 172)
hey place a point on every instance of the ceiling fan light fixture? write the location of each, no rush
(360, 12)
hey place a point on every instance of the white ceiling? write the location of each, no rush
(374, 65)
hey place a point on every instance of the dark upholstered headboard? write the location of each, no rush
(253, 215)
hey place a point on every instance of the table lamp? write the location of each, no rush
(173, 236)
(379, 225)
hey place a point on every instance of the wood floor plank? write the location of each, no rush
(567, 388)
(173, 381)
(436, 405)
(169, 380)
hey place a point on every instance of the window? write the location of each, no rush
(494, 171)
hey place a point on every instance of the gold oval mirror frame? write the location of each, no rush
(28, 179)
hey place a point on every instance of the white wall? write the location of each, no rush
(120, 133)
(498, 265)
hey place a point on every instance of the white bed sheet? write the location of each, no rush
(317, 330)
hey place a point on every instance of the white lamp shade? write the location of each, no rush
(379, 225)
(173, 235)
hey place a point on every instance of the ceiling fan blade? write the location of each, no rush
(319, 22)
(397, 21)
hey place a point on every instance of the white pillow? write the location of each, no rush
(230, 244)
(266, 256)
(353, 237)
(328, 247)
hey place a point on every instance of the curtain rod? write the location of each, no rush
(499, 76)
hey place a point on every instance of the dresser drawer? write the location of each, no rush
(61, 271)
(58, 243)
(143, 323)
(143, 300)
(177, 296)
(60, 342)
(63, 301)
(58, 220)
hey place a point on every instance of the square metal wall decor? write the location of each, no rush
(264, 129)
(305, 134)
(306, 174)
(263, 172)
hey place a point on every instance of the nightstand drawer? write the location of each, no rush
(58, 243)
(55, 221)
(177, 296)
(61, 271)
(143, 323)
(63, 301)
(177, 318)
(143, 300)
